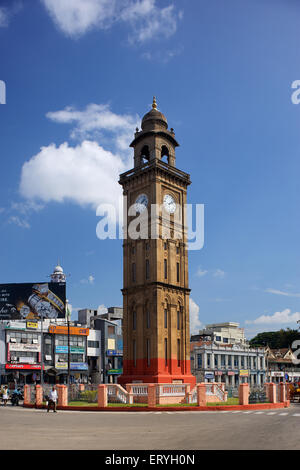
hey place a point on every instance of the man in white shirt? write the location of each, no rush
(52, 400)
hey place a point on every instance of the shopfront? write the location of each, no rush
(73, 349)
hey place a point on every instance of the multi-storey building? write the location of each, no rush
(229, 363)
(282, 365)
(21, 352)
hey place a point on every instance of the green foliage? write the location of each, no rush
(89, 395)
(275, 339)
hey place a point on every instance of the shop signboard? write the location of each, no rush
(73, 349)
(244, 373)
(63, 330)
(73, 366)
(209, 375)
(23, 366)
(31, 301)
(120, 346)
(32, 325)
(277, 374)
(114, 371)
(111, 352)
(24, 347)
(218, 372)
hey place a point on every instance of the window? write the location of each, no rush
(93, 344)
(134, 352)
(166, 318)
(218, 338)
(166, 352)
(147, 246)
(133, 272)
(178, 353)
(178, 320)
(147, 269)
(134, 320)
(208, 360)
(177, 250)
(165, 246)
(148, 352)
(199, 361)
(225, 340)
(148, 319)
(166, 268)
(111, 330)
(177, 266)
(229, 361)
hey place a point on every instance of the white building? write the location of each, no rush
(224, 333)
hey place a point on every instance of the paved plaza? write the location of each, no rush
(31, 429)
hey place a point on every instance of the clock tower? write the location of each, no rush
(155, 292)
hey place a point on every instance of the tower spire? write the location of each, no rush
(154, 104)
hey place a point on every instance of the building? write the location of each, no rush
(58, 274)
(282, 365)
(155, 283)
(231, 364)
(22, 344)
(222, 333)
(108, 327)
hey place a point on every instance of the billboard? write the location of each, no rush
(32, 301)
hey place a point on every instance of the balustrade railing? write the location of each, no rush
(117, 394)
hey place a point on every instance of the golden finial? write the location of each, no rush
(154, 104)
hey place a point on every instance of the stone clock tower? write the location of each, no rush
(156, 292)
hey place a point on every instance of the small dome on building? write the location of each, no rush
(154, 117)
(58, 269)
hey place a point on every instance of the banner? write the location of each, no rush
(32, 301)
(63, 330)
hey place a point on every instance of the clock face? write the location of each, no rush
(169, 204)
(141, 203)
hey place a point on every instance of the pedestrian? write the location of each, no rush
(5, 395)
(52, 400)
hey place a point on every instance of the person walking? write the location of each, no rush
(52, 400)
(5, 395)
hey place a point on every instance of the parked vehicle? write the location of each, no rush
(16, 397)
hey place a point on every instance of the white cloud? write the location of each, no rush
(98, 122)
(86, 174)
(284, 317)
(20, 222)
(89, 280)
(201, 272)
(279, 292)
(145, 18)
(219, 273)
(6, 13)
(195, 323)
(3, 17)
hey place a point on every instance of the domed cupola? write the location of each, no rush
(154, 141)
(154, 119)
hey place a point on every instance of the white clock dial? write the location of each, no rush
(169, 204)
(141, 203)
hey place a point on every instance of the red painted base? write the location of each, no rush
(157, 372)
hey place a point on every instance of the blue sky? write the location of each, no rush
(79, 77)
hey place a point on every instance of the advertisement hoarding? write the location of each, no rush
(32, 301)
(63, 330)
